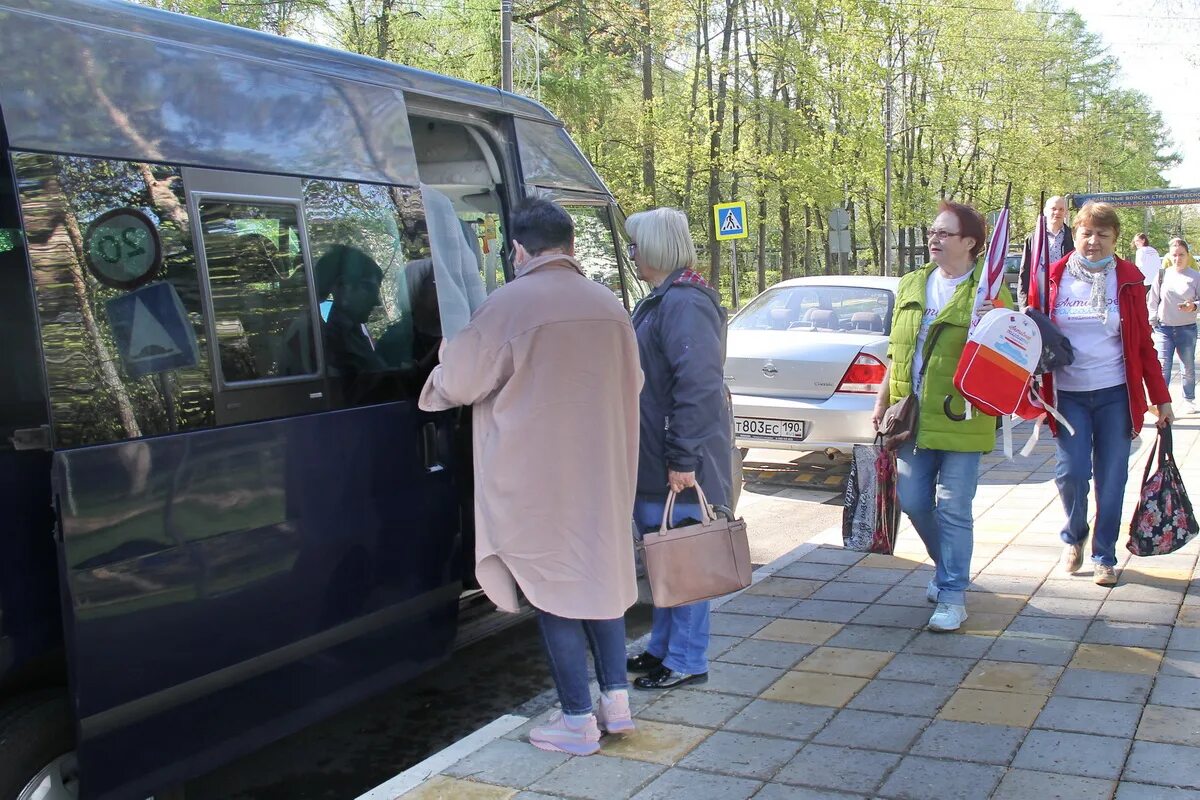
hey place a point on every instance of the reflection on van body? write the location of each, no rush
(227, 261)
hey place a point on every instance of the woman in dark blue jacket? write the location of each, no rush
(685, 427)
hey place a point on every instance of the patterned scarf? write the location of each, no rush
(1095, 273)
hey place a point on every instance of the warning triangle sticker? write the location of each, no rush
(731, 223)
(147, 337)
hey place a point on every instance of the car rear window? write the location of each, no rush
(849, 309)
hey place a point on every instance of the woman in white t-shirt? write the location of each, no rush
(1099, 302)
(1173, 302)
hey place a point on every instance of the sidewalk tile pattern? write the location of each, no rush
(824, 684)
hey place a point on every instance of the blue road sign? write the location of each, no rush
(152, 331)
(730, 219)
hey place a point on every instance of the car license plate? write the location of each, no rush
(780, 430)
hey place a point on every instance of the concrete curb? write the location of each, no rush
(415, 775)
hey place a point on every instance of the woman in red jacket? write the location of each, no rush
(1099, 302)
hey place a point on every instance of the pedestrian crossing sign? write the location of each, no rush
(152, 331)
(730, 220)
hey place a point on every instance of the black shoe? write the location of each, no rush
(643, 663)
(664, 678)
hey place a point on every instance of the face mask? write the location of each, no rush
(1101, 264)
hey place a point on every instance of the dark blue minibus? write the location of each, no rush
(226, 262)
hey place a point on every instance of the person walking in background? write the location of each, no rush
(1174, 294)
(1058, 238)
(1099, 303)
(685, 425)
(549, 363)
(1146, 258)
(939, 472)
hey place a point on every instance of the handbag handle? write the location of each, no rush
(1163, 448)
(705, 511)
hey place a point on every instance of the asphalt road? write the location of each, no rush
(787, 499)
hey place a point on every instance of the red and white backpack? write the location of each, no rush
(995, 372)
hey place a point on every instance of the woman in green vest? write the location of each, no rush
(938, 475)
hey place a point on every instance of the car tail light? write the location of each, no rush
(864, 376)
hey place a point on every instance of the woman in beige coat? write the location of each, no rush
(550, 364)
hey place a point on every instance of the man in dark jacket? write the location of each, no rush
(1058, 237)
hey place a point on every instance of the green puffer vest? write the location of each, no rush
(935, 430)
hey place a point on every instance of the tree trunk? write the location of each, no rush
(806, 258)
(648, 178)
(383, 30)
(785, 235)
(164, 200)
(717, 120)
(698, 64)
(852, 209)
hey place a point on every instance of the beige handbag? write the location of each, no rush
(696, 562)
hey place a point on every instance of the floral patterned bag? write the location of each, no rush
(1163, 521)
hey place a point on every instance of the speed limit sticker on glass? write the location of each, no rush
(122, 248)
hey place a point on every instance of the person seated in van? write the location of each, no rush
(352, 279)
(549, 363)
(412, 341)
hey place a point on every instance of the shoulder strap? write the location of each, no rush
(933, 337)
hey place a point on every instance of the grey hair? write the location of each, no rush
(663, 239)
(1052, 200)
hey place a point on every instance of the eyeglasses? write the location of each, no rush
(938, 233)
(631, 250)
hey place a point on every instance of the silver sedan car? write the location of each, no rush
(805, 359)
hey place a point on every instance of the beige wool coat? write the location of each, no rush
(549, 363)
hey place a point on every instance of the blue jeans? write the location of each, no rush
(1101, 444)
(1178, 340)
(567, 641)
(936, 488)
(679, 636)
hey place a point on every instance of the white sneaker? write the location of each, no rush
(947, 617)
(1105, 575)
(931, 592)
(1190, 407)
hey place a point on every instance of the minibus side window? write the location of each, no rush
(636, 288)
(380, 347)
(594, 247)
(260, 298)
(105, 381)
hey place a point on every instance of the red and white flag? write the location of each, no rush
(993, 267)
(1039, 257)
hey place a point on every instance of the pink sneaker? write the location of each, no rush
(613, 715)
(559, 735)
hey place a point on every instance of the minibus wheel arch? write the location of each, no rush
(37, 736)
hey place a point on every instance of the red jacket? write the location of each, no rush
(1142, 367)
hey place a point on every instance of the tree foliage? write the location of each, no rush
(782, 103)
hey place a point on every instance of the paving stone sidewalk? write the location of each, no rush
(824, 683)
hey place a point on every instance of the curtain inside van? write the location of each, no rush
(457, 262)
